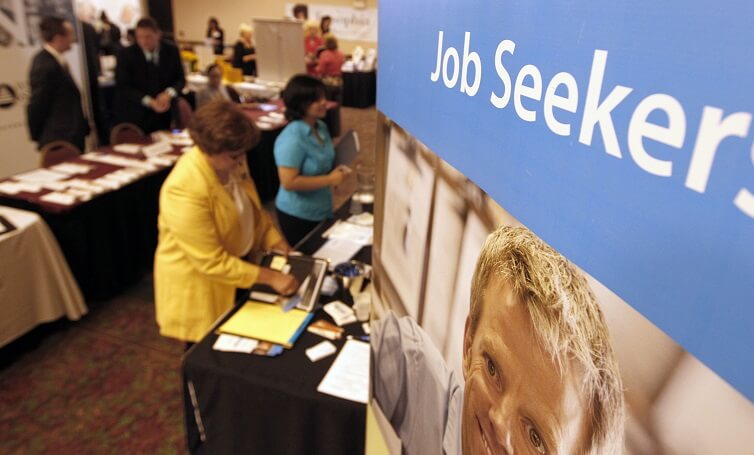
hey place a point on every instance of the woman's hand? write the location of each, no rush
(282, 284)
(339, 174)
(282, 247)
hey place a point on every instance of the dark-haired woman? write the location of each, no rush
(216, 36)
(210, 219)
(304, 155)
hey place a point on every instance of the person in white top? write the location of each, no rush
(215, 89)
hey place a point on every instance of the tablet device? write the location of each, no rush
(346, 149)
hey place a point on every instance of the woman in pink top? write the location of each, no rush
(331, 59)
(312, 43)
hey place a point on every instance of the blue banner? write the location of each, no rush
(620, 132)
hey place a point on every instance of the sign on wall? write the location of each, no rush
(347, 23)
(619, 132)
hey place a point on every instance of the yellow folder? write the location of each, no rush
(266, 322)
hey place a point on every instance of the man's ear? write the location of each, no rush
(467, 342)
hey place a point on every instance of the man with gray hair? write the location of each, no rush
(539, 373)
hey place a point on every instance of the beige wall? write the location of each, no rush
(190, 17)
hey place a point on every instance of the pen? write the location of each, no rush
(362, 338)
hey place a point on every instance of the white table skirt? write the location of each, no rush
(36, 284)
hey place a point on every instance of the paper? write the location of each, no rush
(337, 250)
(158, 148)
(132, 149)
(232, 343)
(55, 186)
(278, 262)
(320, 351)
(263, 297)
(40, 176)
(118, 161)
(329, 286)
(71, 168)
(350, 231)
(341, 313)
(59, 198)
(10, 188)
(348, 376)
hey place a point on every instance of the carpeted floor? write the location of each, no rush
(107, 383)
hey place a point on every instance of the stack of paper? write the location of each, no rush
(266, 322)
(337, 250)
(232, 343)
(40, 176)
(350, 231)
(71, 168)
(348, 376)
(341, 313)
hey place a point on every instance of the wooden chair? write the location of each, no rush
(185, 114)
(56, 152)
(127, 133)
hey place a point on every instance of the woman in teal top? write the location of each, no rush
(304, 156)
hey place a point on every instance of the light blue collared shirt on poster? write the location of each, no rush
(297, 148)
(420, 396)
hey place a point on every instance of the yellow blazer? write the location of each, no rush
(197, 265)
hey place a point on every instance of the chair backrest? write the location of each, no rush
(56, 152)
(185, 114)
(127, 133)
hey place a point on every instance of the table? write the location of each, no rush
(108, 241)
(253, 404)
(359, 89)
(36, 285)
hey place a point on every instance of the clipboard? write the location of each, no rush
(346, 149)
(307, 270)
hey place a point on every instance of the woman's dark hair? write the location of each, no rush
(331, 43)
(212, 21)
(211, 67)
(300, 92)
(300, 8)
(322, 21)
(221, 126)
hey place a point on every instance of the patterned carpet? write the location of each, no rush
(107, 383)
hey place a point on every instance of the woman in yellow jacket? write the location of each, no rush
(210, 219)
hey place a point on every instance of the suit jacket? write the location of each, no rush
(54, 111)
(136, 78)
(197, 265)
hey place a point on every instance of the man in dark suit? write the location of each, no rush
(149, 77)
(54, 111)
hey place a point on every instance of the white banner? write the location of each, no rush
(123, 13)
(352, 24)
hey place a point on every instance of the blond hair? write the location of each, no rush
(311, 25)
(245, 28)
(566, 317)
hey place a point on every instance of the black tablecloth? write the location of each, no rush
(108, 242)
(252, 404)
(359, 89)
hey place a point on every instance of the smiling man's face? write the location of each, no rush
(515, 399)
